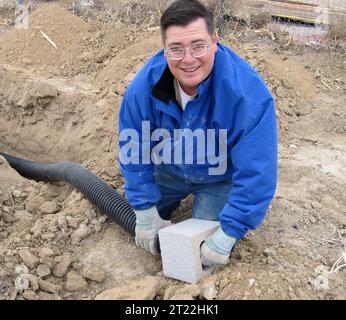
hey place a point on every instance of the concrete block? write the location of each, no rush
(180, 249)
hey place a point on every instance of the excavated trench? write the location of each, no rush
(51, 119)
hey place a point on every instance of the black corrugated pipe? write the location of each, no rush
(92, 187)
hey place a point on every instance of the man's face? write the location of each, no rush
(190, 71)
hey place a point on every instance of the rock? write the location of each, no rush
(60, 269)
(48, 286)
(280, 92)
(86, 56)
(144, 289)
(62, 223)
(188, 292)
(49, 261)
(94, 274)
(43, 270)
(269, 252)
(312, 219)
(92, 28)
(303, 110)
(79, 234)
(48, 236)
(26, 61)
(33, 202)
(77, 266)
(302, 295)
(27, 237)
(316, 205)
(17, 192)
(258, 292)
(73, 222)
(103, 54)
(99, 34)
(43, 90)
(251, 282)
(242, 254)
(47, 192)
(46, 252)
(29, 259)
(21, 283)
(49, 207)
(21, 269)
(36, 230)
(307, 205)
(33, 281)
(169, 292)
(321, 282)
(30, 295)
(223, 283)
(48, 296)
(24, 220)
(342, 220)
(75, 282)
(7, 217)
(295, 226)
(271, 261)
(209, 291)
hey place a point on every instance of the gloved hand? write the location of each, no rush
(216, 249)
(148, 224)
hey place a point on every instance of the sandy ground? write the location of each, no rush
(62, 104)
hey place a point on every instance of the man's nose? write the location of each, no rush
(188, 58)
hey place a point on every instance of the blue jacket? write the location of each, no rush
(233, 97)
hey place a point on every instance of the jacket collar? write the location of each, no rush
(164, 90)
(164, 87)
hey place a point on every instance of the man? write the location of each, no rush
(198, 90)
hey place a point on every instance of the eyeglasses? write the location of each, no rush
(196, 51)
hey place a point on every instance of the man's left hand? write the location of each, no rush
(216, 249)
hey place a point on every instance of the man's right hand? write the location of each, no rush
(148, 224)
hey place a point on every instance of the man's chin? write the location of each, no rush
(189, 84)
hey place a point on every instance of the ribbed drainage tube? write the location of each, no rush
(92, 187)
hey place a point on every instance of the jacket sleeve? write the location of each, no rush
(135, 127)
(254, 159)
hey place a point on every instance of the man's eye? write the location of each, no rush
(199, 46)
(177, 50)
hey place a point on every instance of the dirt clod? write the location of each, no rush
(144, 289)
(75, 282)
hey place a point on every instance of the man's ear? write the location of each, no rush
(214, 37)
(214, 41)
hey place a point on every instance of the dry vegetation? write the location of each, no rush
(337, 31)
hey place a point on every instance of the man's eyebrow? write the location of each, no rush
(179, 43)
(175, 44)
(198, 40)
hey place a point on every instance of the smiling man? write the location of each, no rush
(191, 53)
(196, 107)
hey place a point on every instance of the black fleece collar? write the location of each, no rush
(164, 88)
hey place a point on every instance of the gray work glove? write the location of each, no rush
(148, 224)
(216, 249)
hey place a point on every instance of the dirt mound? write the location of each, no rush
(122, 68)
(79, 48)
(290, 83)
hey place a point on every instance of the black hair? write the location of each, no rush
(183, 12)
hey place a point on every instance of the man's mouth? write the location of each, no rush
(190, 70)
